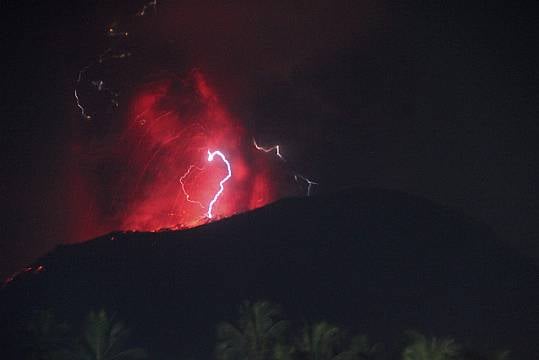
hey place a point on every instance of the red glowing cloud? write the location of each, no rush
(180, 158)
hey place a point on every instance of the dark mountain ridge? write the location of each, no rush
(375, 261)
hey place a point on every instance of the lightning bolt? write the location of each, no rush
(83, 112)
(310, 183)
(183, 185)
(275, 148)
(211, 155)
(110, 53)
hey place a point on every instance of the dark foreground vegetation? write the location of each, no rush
(373, 262)
(260, 332)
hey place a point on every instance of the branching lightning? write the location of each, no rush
(83, 112)
(187, 197)
(211, 156)
(310, 183)
(114, 33)
(222, 182)
(275, 148)
(99, 85)
(170, 147)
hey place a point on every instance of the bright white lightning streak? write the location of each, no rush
(269, 149)
(211, 155)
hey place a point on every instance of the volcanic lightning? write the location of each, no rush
(182, 179)
(222, 182)
(211, 156)
(309, 183)
(112, 52)
(171, 119)
(275, 148)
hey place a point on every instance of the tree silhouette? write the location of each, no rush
(361, 348)
(257, 335)
(104, 339)
(320, 342)
(500, 355)
(49, 339)
(323, 341)
(423, 348)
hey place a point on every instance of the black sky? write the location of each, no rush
(432, 98)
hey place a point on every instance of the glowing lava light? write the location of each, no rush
(221, 183)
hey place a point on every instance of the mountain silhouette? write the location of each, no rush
(375, 261)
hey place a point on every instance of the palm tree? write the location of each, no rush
(423, 348)
(362, 349)
(104, 339)
(471, 354)
(49, 338)
(500, 355)
(321, 341)
(259, 331)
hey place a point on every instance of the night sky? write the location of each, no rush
(436, 99)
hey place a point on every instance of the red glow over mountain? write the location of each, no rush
(152, 170)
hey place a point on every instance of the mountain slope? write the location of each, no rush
(376, 261)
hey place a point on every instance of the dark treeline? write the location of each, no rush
(260, 332)
(101, 338)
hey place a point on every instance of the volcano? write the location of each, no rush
(377, 261)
